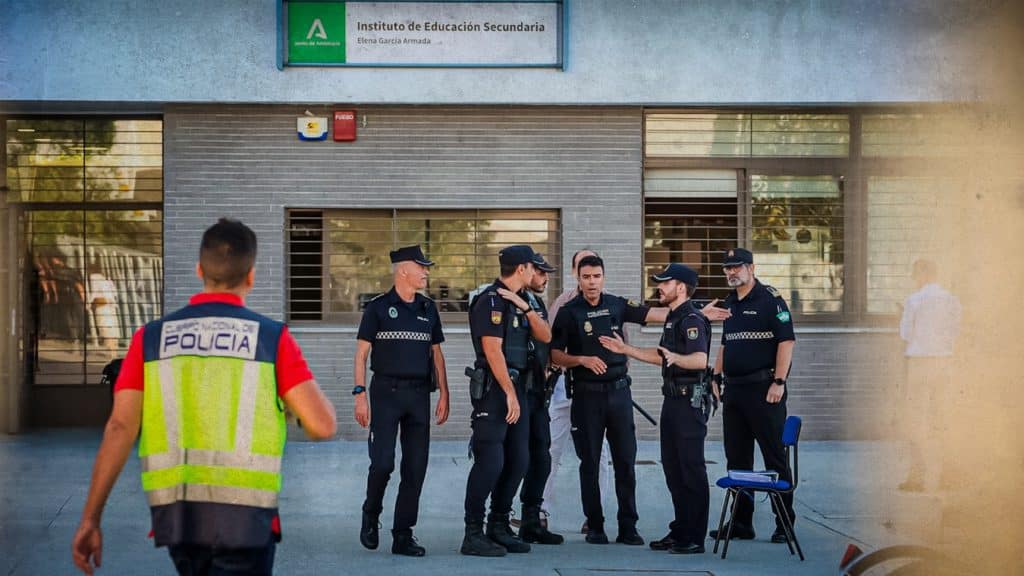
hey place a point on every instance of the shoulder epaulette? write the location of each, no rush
(771, 290)
(377, 296)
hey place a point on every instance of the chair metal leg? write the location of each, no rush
(777, 503)
(721, 520)
(732, 521)
(787, 525)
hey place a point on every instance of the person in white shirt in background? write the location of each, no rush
(930, 325)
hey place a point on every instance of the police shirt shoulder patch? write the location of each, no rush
(783, 316)
(771, 290)
(691, 333)
(495, 317)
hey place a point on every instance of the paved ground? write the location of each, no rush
(44, 476)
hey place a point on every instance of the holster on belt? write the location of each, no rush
(479, 378)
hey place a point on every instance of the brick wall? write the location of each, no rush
(246, 162)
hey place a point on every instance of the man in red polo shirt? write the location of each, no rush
(207, 385)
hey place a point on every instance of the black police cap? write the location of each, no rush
(410, 253)
(679, 272)
(541, 264)
(515, 255)
(737, 256)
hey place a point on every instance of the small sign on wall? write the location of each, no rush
(344, 125)
(311, 127)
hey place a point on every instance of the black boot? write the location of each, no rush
(533, 530)
(498, 530)
(404, 543)
(369, 534)
(476, 544)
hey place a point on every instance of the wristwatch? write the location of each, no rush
(779, 381)
(358, 390)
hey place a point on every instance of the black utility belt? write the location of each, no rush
(400, 382)
(756, 377)
(599, 386)
(677, 388)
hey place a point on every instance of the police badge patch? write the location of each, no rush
(588, 327)
(393, 312)
(495, 317)
(691, 333)
(633, 303)
(783, 316)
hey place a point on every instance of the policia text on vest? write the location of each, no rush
(208, 386)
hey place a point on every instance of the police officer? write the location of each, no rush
(683, 356)
(753, 362)
(532, 493)
(215, 378)
(401, 333)
(602, 403)
(501, 324)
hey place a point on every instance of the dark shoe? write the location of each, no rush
(739, 532)
(629, 537)
(679, 548)
(596, 536)
(405, 544)
(498, 530)
(665, 543)
(779, 536)
(369, 534)
(477, 544)
(534, 531)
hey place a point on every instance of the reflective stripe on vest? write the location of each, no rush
(213, 430)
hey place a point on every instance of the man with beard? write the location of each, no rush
(753, 362)
(682, 354)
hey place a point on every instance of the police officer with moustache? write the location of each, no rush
(401, 333)
(532, 493)
(753, 363)
(683, 356)
(501, 325)
(601, 399)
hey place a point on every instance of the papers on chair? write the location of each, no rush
(754, 476)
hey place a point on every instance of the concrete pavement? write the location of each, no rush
(45, 476)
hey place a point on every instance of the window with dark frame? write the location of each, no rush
(338, 259)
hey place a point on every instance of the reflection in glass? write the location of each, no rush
(797, 234)
(463, 243)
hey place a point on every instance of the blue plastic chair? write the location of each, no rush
(774, 490)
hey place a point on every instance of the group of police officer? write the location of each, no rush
(519, 353)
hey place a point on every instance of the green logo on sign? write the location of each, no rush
(783, 316)
(316, 32)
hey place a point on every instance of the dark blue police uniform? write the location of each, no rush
(601, 404)
(684, 427)
(751, 337)
(532, 493)
(402, 335)
(500, 449)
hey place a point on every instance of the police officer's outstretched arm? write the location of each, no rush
(309, 404)
(496, 362)
(118, 438)
(361, 406)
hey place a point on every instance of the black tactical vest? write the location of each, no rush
(591, 323)
(540, 352)
(515, 341)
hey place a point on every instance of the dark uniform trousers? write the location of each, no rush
(501, 454)
(747, 416)
(398, 404)
(593, 414)
(683, 429)
(539, 469)
(195, 560)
